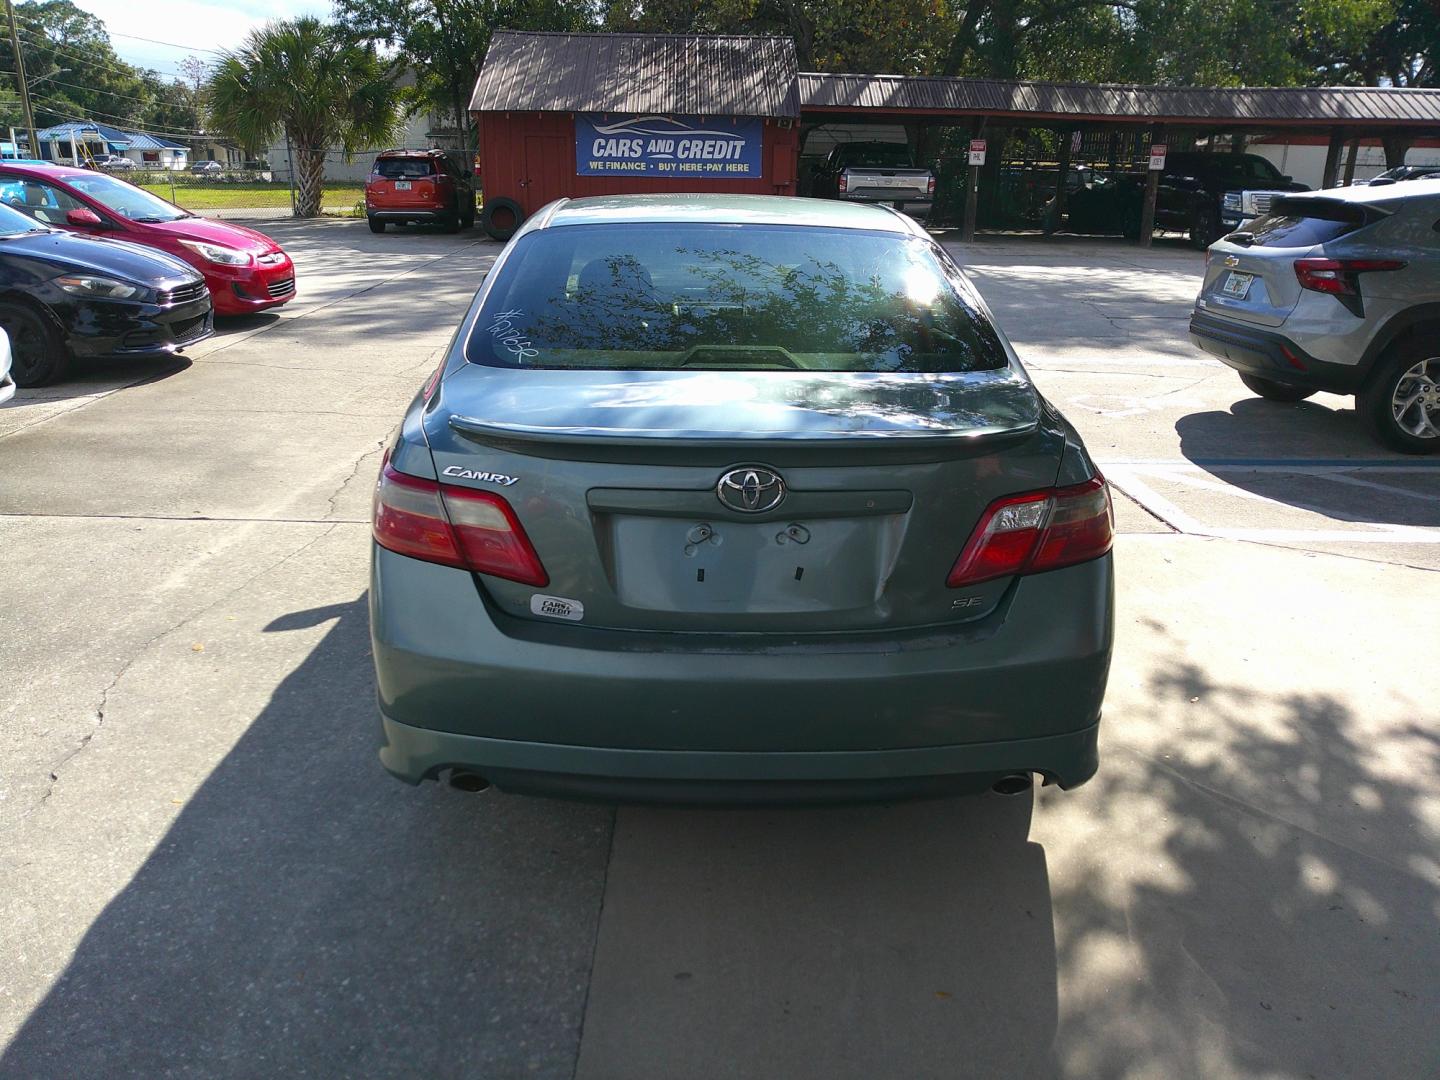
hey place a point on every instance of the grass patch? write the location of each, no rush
(218, 196)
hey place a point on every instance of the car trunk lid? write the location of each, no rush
(617, 479)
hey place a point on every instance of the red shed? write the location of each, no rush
(604, 114)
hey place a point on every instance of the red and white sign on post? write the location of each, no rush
(1157, 157)
(977, 151)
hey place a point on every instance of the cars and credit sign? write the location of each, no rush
(709, 146)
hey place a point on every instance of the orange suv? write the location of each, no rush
(420, 185)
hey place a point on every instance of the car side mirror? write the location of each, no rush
(1287, 179)
(84, 217)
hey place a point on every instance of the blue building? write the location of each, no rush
(81, 142)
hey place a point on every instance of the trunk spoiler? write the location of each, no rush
(635, 447)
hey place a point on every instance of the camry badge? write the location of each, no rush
(476, 474)
(751, 489)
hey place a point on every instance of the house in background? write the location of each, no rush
(214, 148)
(77, 142)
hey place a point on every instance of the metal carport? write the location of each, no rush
(1401, 115)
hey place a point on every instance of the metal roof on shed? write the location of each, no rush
(1288, 105)
(675, 74)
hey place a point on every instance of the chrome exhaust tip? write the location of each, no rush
(1013, 784)
(468, 782)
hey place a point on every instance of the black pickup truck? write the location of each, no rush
(1190, 197)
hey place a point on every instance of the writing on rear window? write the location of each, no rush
(510, 337)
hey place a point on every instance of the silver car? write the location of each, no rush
(1339, 291)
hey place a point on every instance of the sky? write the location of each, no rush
(195, 26)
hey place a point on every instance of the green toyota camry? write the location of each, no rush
(737, 498)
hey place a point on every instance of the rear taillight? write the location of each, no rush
(1338, 276)
(844, 184)
(1037, 531)
(453, 526)
(930, 186)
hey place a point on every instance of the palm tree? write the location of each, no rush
(301, 77)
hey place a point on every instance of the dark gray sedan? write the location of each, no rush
(737, 498)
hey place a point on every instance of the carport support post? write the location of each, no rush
(972, 183)
(1152, 186)
(1332, 158)
(1062, 173)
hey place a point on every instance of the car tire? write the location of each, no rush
(376, 225)
(1204, 227)
(450, 220)
(38, 355)
(467, 216)
(1400, 402)
(509, 216)
(1271, 390)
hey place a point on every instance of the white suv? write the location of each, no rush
(1339, 291)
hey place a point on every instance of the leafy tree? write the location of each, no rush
(173, 106)
(74, 73)
(305, 79)
(444, 41)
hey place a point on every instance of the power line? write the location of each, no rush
(38, 38)
(171, 44)
(92, 89)
(67, 109)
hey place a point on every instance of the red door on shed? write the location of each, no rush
(549, 165)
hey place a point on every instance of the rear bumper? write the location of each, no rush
(413, 754)
(418, 213)
(906, 203)
(1263, 353)
(461, 686)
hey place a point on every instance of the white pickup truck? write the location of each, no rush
(1238, 207)
(876, 172)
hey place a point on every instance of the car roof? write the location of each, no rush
(47, 170)
(721, 209)
(1385, 193)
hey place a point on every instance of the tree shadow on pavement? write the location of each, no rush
(1271, 903)
(308, 915)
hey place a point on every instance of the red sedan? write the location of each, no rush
(245, 270)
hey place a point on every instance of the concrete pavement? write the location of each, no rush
(203, 872)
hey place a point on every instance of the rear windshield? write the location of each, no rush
(744, 297)
(883, 155)
(1304, 223)
(404, 168)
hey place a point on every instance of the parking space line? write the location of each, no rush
(1302, 465)
(1130, 478)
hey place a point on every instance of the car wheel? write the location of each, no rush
(1400, 403)
(1271, 390)
(376, 225)
(1204, 227)
(450, 221)
(37, 354)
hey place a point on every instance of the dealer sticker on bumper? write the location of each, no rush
(557, 607)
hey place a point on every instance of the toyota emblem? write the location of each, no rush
(751, 489)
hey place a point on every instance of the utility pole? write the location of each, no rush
(24, 86)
